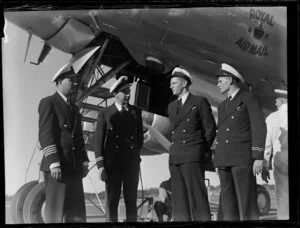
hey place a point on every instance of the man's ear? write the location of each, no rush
(59, 81)
(116, 94)
(185, 83)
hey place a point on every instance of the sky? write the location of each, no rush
(24, 84)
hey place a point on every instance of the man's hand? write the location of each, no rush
(257, 167)
(102, 174)
(56, 173)
(265, 175)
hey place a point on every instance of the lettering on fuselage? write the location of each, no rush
(261, 18)
(254, 49)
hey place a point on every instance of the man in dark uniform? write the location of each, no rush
(239, 146)
(65, 161)
(163, 206)
(118, 140)
(193, 132)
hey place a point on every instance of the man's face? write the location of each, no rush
(177, 85)
(224, 84)
(123, 96)
(67, 85)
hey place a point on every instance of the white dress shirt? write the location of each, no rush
(233, 94)
(183, 98)
(119, 107)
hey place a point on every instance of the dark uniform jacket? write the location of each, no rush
(118, 137)
(241, 131)
(193, 130)
(60, 135)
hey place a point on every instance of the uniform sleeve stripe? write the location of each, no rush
(99, 159)
(258, 148)
(49, 150)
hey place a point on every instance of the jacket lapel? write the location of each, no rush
(221, 112)
(231, 107)
(187, 107)
(66, 109)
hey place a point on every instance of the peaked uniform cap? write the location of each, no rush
(182, 73)
(228, 71)
(63, 70)
(121, 83)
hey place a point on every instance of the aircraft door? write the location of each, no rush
(153, 97)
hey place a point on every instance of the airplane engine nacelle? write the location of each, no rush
(153, 98)
(157, 135)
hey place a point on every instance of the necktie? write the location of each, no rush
(227, 101)
(123, 109)
(70, 104)
(179, 105)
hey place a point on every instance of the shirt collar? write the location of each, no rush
(184, 97)
(233, 94)
(63, 96)
(119, 107)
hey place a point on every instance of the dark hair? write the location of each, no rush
(235, 80)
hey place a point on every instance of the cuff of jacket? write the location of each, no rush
(99, 162)
(54, 165)
(50, 154)
(258, 153)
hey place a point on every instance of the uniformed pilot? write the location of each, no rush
(118, 140)
(65, 161)
(277, 146)
(193, 132)
(239, 146)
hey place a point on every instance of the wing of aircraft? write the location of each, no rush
(146, 44)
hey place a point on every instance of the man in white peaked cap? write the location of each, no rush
(277, 147)
(65, 161)
(193, 132)
(118, 140)
(240, 146)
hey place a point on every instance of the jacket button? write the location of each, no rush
(117, 147)
(173, 132)
(217, 143)
(73, 148)
(232, 117)
(184, 130)
(217, 131)
(188, 120)
(131, 147)
(111, 128)
(227, 129)
(65, 125)
(227, 141)
(183, 141)
(131, 137)
(117, 136)
(172, 143)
